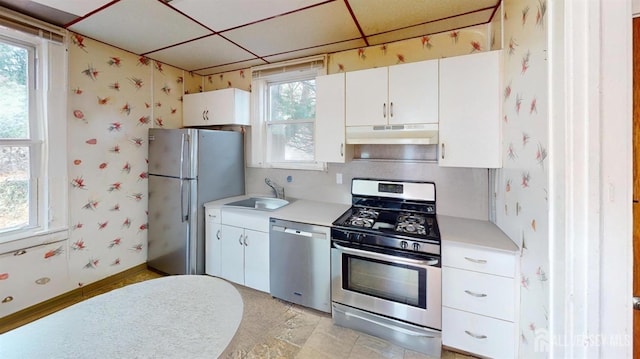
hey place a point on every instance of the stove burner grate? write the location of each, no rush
(411, 223)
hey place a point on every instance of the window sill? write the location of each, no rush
(308, 166)
(30, 238)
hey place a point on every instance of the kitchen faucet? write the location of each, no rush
(278, 191)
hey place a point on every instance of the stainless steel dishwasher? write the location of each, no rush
(300, 263)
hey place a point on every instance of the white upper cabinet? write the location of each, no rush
(413, 93)
(470, 110)
(221, 107)
(400, 94)
(330, 118)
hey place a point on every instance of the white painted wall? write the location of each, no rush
(591, 181)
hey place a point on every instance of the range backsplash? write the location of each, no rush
(461, 192)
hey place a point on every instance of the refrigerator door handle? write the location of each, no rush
(182, 216)
(182, 158)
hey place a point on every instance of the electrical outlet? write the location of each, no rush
(338, 178)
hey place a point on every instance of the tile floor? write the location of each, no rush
(272, 328)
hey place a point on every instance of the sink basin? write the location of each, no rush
(260, 203)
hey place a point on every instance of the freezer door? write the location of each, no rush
(169, 228)
(170, 152)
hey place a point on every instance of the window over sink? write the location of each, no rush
(282, 134)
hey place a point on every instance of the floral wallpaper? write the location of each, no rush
(115, 97)
(453, 43)
(521, 187)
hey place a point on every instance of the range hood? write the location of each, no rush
(412, 134)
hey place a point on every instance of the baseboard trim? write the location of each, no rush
(49, 306)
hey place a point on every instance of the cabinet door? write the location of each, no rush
(330, 115)
(194, 109)
(229, 106)
(232, 254)
(366, 97)
(470, 110)
(413, 93)
(256, 260)
(213, 247)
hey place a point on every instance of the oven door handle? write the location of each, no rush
(387, 257)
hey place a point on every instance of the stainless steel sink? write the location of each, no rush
(259, 203)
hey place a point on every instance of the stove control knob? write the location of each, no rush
(416, 247)
(404, 245)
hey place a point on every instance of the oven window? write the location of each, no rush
(391, 281)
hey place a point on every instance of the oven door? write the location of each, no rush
(388, 283)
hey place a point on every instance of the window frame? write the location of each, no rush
(260, 153)
(48, 206)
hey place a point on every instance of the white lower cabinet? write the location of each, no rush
(245, 257)
(478, 334)
(213, 242)
(237, 246)
(480, 300)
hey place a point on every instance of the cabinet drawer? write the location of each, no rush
(480, 293)
(479, 259)
(213, 215)
(478, 334)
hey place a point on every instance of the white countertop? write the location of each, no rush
(298, 210)
(474, 232)
(452, 229)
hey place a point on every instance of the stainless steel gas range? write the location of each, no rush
(385, 264)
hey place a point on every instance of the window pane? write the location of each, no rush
(14, 187)
(292, 100)
(291, 142)
(14, 92)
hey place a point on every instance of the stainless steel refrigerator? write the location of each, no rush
(187, 168)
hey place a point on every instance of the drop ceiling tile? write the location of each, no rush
(206, 52)
(230, 67)
(225, 14)
(320, 25)
(432, 27)
(342, 46)
(79, 8)
(139, 26)
(376, 16)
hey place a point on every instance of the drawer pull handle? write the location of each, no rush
(7, 299)
(20, 252)
(478, 295)
(218, 234)
(477, 336)
(479, 261)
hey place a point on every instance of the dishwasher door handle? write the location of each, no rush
(297, 232)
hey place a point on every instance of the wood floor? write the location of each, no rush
(271, 328)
